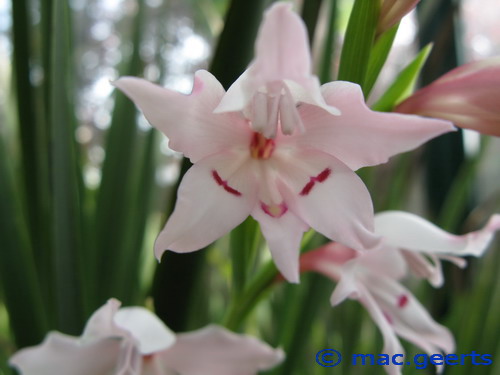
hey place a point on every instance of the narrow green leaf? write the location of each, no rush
(116, 192)
(236, 41)
(325, 70)
(458, 195)
(301, 307)
(378, 57)
(404, 84)
(127, 270)
(310, 14)
(358, 41)
(34, 140)
(67, 244)
(18, 277)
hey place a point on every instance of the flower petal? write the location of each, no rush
(361, 137)
(408, 317)
(283, 234)
(100, 325)
(411, 232)
(188, 120)
(62, 354)
(282, 47)
(150, 333)
(330, 198)
(219, 352)
(215, 196)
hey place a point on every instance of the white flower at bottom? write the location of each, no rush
(133, 341)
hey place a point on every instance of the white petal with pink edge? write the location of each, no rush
(411, 232)
(219, 352)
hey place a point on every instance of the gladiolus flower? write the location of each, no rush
(288, 183)
(373, 277)
(133, 341)
(467, 96)
(279, 77)
(393, 11)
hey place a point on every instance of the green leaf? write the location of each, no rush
(34, 149)
(236, 41)
(18, 277)
(358, 41)
(404, 84)
(325, 70)
(65, 174)
(127, 270)
(310, 14)
(378, 57)
(115, 200)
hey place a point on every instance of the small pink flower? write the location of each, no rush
(468, 96)
(133, 341)
(393, 11)
(288, 183)
(372, 277)
(279, 78)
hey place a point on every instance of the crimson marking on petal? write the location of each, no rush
(274, 210)
(319, 178)
(224, 184)
(402, 301)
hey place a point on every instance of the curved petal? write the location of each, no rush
(62, 354)
(215, 196)
(188, 120)
(100, 325)
(219, 352)
(330, 198)
(411, 232)
(149, 332)
(283, 234)
(361, 137)
(350, 286)
(408, 317)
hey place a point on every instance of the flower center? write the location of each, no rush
(261, 147)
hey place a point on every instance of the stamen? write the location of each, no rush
(261, 147)
(312, 181)
(224, 184)
(289, 116)
(274, 210)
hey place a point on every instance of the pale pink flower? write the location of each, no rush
(279, 77)
(468, 96)
(133, 341)
(393, 11)
(373, 277)
(288, 183)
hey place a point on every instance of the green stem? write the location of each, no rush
(242, 305)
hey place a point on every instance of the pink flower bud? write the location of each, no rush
(469, 96)
(392, 11)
